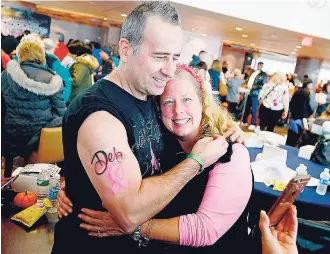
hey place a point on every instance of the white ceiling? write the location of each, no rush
(210, 23)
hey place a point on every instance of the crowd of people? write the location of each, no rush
(272, 98)
(40, 78)
(150, 148)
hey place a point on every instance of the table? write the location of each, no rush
(308, 199)
(15, 239)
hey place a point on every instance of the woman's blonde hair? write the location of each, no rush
(278, 78)
(216, 119)
(216, 65)
(31, 49)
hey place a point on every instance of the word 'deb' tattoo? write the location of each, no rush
(101, 160)
(111, 162)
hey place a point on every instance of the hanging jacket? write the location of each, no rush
(33, 95)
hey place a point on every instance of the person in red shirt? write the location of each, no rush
(61, 49)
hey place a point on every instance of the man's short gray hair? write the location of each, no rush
(135, 22)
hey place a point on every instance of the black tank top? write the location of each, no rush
(187, 201)
(144, 137)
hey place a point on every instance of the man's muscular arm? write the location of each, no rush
(115, 174)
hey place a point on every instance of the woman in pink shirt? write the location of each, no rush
(211, 209)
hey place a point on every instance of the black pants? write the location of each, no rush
(232, 107)
(268, 118)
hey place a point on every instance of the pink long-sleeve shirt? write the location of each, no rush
(226, 195)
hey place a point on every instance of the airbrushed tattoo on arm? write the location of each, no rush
(111, 164)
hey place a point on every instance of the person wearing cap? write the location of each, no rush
(107, 65)
(54, 63)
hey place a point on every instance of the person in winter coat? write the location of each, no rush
(107, 65)
(81, 73)
(33, 96)
(54, 63)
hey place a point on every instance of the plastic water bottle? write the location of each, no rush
(323, 184)
(53, 191)
(301, 170)
(43, 184)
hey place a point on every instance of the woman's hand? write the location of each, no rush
(235, 134)
(64, 205)
(99, 223)
(280, 239)
(284, 115)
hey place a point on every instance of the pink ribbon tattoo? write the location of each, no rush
(116, 177)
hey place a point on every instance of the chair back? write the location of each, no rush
(50, 146)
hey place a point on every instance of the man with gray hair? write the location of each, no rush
(113, 142)
(115, 123)
(61, 49)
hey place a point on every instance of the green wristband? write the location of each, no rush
(197, 158)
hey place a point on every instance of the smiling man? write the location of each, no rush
(112, 140)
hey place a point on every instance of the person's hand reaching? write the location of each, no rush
(64, 205)
(210, 149)
(280, 239)
(235, 134)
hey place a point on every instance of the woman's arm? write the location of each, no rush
(227, 193)
(286, 100)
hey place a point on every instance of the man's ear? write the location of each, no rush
(125, 49)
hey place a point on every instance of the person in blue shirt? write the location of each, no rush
(96, 49)
(54, 63)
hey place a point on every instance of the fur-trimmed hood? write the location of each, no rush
(89, 60)
(35, 78)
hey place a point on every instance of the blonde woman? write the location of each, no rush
(210, 211)
(33, 95)
(274, 100)
(216, 75)
(211, 205)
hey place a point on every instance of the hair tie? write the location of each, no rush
(191, 71)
